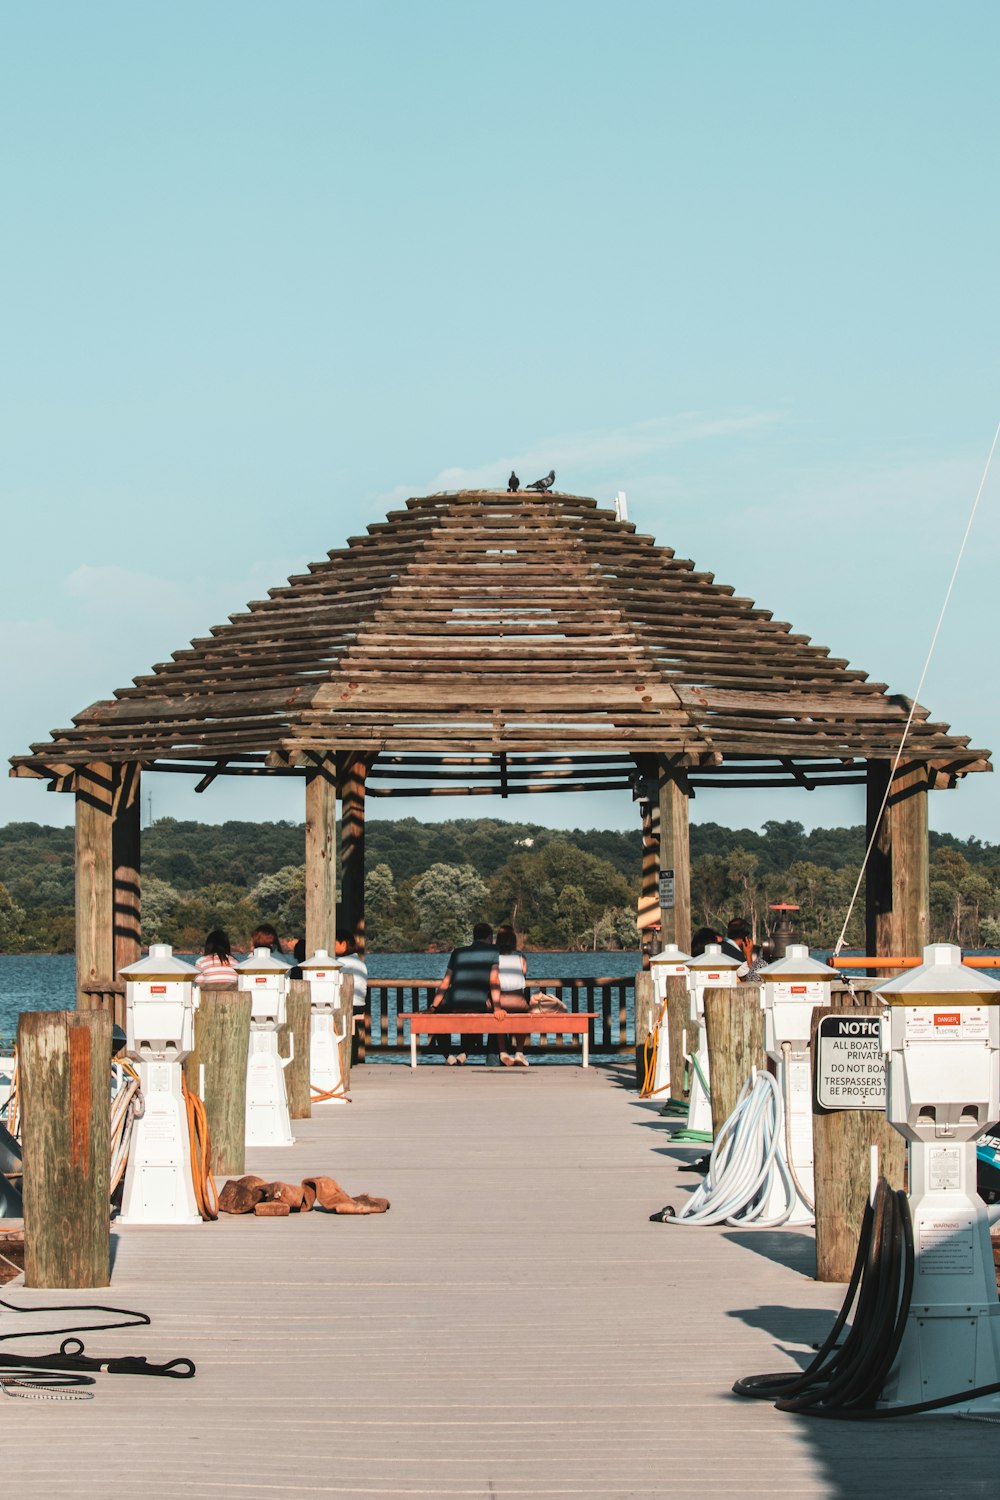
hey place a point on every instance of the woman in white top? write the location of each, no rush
(510, 978)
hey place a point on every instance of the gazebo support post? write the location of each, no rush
(321, 855)
(650, 881)
(898, 876)
(125, 854)
(353, 770)
(107, 879)
(675, 856)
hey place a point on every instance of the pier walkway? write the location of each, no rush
(513, 1327)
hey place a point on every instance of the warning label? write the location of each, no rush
(850, 1063)
(946, 1246)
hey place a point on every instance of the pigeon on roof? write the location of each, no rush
(513, 484)
(541, 485)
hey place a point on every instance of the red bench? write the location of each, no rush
(485, 1023)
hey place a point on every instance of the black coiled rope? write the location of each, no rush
(63, 1374)
(845, 1380)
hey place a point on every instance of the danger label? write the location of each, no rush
(850, 1063)
(967, 1023)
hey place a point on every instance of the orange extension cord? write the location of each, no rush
(650, 1050)
(338, 1093)
(206, 1195)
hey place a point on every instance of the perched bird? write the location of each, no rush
(541, 485)
(513, 484)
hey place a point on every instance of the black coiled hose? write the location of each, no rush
(845, 1380)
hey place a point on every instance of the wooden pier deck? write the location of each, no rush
(513, 1327)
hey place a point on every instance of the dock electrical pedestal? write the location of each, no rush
(265, 979)
(791, 988)
(943, 1093)
(160, 1003)
(326, 1076)
(669, 963)
(717, 970)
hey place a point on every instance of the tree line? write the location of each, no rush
(427, 883)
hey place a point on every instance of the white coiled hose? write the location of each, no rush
(746, 1160)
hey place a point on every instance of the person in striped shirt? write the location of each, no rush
(215, 966)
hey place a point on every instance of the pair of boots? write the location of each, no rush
(245, 1195)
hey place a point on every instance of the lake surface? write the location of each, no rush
(45, 981)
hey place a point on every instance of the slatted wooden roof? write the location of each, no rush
(485, 624)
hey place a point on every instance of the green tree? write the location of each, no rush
(159, 910)
(448, 900)
(14, 937)
(281, 900)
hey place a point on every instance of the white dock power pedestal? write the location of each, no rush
(265, 979)
(943, 1092)
(790, 989)
(712, 969)
(669, 963)
(160, 1001)
(326, 1076)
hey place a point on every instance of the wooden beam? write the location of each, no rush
(675, 857)
(352, 774)
(321, 855)
(897, 881)
(95, 943)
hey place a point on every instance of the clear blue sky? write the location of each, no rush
(268, 268)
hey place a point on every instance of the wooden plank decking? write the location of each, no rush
(513, 1327)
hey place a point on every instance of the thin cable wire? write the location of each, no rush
(920, 687)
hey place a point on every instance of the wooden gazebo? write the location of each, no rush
(486, 643)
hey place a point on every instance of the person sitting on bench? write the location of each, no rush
(467, 986)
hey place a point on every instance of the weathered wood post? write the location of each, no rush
(353, 771)
(297, 1030)
(645, 1012)
(648, 916)
(107, 882)
(842, 1142)
(897, 879)
(675, 856)
(221, 1045)
(64, 1058)
(734, 1025)
(321, 855)
(679, 1022)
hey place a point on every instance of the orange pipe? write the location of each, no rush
(905, 963)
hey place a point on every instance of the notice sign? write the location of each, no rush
(666, 890)
(850, 1063)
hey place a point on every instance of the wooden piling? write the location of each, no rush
(678, 1022)
(64, 1058)
(221, 1044)
(734, 1023)
(297, 1034)
(645, 1011)
(842, 1142)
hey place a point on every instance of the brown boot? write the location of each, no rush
(241, 1195)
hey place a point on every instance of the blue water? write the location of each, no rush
(45, 981)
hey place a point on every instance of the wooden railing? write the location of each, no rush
(611, 1030)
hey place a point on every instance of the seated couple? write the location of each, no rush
(487, 977)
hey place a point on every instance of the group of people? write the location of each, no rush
(737, 942)
(485, 976)
(216, 965)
